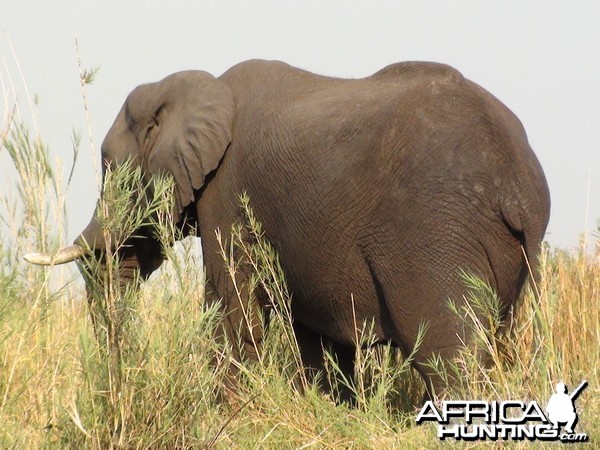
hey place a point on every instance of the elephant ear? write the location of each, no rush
(194, 122)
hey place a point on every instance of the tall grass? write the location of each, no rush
(156, 379)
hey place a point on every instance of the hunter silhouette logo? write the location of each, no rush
(471, 420)
(561, 406)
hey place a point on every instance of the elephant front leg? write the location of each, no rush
(239, 334)
(244, 322)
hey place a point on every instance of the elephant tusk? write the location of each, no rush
(64, 255)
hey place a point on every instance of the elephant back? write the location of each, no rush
(418, 70)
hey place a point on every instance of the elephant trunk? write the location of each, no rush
(112, 272)
(139, 255)
(93, 236)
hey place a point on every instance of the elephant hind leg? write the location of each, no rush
(312, 351)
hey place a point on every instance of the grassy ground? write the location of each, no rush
(60, 389)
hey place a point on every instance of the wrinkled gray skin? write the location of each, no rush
(379, 190)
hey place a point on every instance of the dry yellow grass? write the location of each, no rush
(54, 388)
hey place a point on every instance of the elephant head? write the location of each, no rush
(180, 126)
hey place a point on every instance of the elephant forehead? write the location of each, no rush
(142, 102)
(176, 88)
(120, 143)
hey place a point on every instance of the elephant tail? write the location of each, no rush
(527, 223)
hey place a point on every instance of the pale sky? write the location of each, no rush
(541, 58)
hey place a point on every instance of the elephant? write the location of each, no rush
(377, 194)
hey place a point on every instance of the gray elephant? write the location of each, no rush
(376, 193)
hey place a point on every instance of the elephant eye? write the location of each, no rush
(151, 130)
(153, 126)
